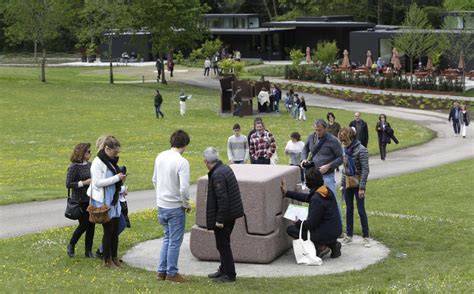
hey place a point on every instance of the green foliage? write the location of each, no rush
(229, 66)
(268, 71)
(326, 52)
(457, 5)
(296, 56)
(196, 55)
(210, 47)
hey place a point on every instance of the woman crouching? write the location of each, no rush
(323, 219)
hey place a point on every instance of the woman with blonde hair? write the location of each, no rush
(353, 183)
(106, 184)
(78, 180)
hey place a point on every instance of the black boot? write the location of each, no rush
(89, 254)
(99, 254)
(70, 250)
(215, 275)
(335, 249)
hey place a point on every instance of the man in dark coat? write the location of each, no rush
(323, 219)
(454, 115)
(224, 206)
(361, 129)
(158, 102)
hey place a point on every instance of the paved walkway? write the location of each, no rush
(445, 148)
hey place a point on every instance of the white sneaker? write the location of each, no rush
(367, 243)
(347, 240)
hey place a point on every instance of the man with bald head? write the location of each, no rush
(361, 129)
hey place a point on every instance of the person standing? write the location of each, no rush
(302, 109)
(385, 135)
(159, 68)
(333, 126)
(106, 183)
(361, 129)
(324, 152)
(78, 180)
(257, 119)
(262, 145)
(170, 64)
(277, 97)
(171, 182)
(296, 106)
(215, 63)
(356, 167)
(224, 206)
(237, 98)
(237, 147)
(465, 120)
(293, 149)
(158, 102)
(182, 103)
(263, 100)
(455, 115)
(207, 66)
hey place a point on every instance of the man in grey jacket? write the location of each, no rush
(323, 151)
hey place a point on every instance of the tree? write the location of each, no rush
(172, 24)
(415, 38)
(452, 5)
(37, 21)
(102, 20)
(326, 52)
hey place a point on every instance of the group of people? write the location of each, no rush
(295, 105)
(159, 101)
(459, 115)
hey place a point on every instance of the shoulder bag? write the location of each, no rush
(73, 208)
(305, 252)
(98, 215)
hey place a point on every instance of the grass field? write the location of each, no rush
(427, 215)
(40, 124)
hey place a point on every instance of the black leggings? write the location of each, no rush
(110, 239)
(383, 150)
(84, 226)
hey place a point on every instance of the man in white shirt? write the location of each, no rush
(171, 181)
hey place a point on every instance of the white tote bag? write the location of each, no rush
(305, 252)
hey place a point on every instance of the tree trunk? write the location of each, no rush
(163, 78)
(43, 65)
(275, 8)
(267, 9)
(36, 52)
(379, 11)
(411, 73)
(111, 71)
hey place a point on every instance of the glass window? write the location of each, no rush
(385, 46)
(253, 22)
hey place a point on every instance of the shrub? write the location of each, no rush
(229, 66)
(210, 47)
(296, 56)
(326, 52)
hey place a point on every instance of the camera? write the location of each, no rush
(308, 164)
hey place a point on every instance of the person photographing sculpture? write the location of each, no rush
(323, 219)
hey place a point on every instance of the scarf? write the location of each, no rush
(111, 164)
(350, 167)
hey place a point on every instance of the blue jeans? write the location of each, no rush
(330, 182)
(173, 221)
(349, 195)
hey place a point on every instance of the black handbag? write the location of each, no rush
(73, 208)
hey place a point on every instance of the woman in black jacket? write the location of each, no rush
(385, 134)
(323, 219)
(78, 180)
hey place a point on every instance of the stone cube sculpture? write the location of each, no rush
(260, 236)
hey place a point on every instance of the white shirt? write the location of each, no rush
(263, 97)
(171, 180)
(293, 150)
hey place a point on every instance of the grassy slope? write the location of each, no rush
(40, 124)
(415, 214)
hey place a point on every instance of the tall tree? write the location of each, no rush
(101, 21)
(172, 23)
(38, 22)
(415, 38)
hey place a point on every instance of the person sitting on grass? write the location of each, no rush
(323, 219)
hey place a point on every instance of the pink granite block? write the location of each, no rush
(261, 196)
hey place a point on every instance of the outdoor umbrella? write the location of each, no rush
(345, 60)
(429, 64)
(368, 62)
(395, 59)
(308, 55)
(461, 64)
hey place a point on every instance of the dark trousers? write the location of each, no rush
(262, 160)
(158, 77)
(225, 251)
(349, 195)
(84, 226)
(158, 112)
(110, 239)
(383, 150)
(294, 232)
(206, 71)
(456, 126)
(238, 109)
(215, 69)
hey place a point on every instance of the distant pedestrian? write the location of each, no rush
(207, 66)
(171, 182)
(361, 129)
(263, 100)
(455, 116)
(293, 149)
(182, 102)
(262, 144)
(158, 102)
(159, 68)
(237, 147)
(296, 106)
(385, 135)
(277, 97)
(237, 99)
(465, 120)
(77, 181)
(302, 109)
(215, 63)
(333, 126)
(224, 206)
(170, 66)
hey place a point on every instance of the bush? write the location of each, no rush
(229, 66)
(210, 47)
(296, 56)
(268, 71)
(196, 55)
(326, 52)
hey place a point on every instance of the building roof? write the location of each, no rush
(210, 15)
(255, 31)
(315, 22)
(397, 30)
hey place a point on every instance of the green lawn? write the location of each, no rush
(40, 124)
(429, 219)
